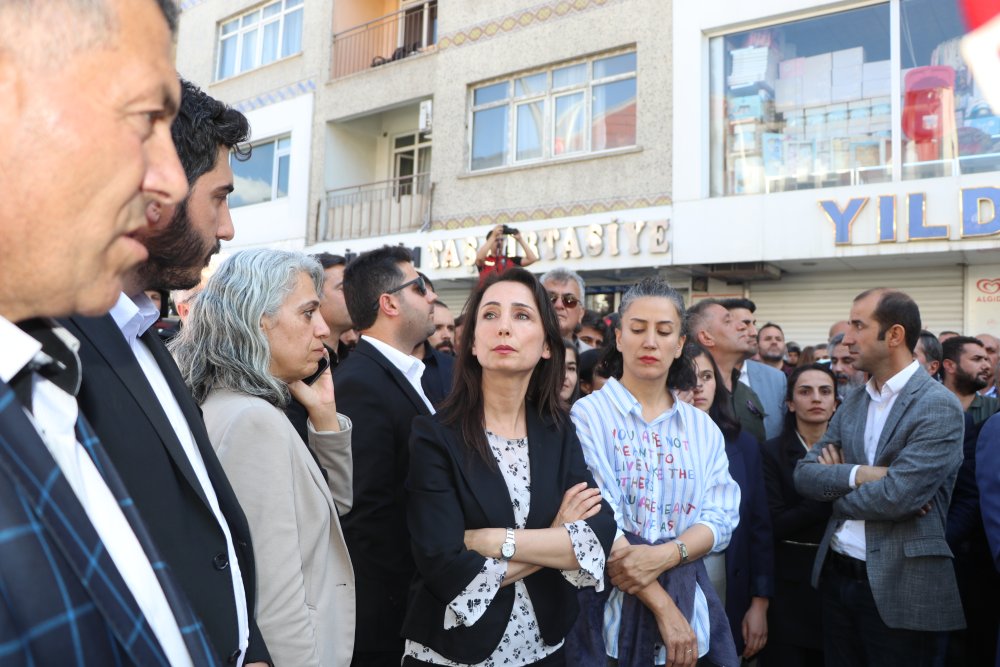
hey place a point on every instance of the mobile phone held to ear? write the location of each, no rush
(324, 363)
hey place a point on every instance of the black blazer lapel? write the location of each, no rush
(485, 481)
(367, 349)
(27, 461)
(105, 337)
(228, 502)
(544, 454)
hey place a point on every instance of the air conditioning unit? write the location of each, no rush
(742, 271)
(426, 115)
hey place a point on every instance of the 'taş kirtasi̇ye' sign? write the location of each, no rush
(567, 243)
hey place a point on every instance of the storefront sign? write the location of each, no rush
(979, 211)
(982, 299)
(563, 244)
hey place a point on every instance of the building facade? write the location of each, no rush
(792, 151)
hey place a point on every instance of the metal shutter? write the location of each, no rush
(805, 305)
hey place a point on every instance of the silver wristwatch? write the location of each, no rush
(682, 550)
(508, 547)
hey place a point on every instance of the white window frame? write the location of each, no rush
(548, 97)
(279, 152)
(287, 7)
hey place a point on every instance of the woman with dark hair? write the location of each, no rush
(505, 519)
(571, 379)
(796, 626)
(747, 574)
(661, 464)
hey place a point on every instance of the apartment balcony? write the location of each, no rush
(377, 209)
(380, 41)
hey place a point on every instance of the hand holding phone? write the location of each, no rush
(316, 394)
(324, 363)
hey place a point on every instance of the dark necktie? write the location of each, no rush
(56, 362)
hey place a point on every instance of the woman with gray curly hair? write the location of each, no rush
(253, 334)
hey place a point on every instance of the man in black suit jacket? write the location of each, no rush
(134, 396)
(379, 388)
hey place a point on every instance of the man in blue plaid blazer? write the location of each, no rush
(88, 92)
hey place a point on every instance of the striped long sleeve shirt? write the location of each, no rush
(661, 478)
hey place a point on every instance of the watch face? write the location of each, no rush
(507, 550)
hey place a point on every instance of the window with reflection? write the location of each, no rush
(258, 37)
(572, 109)
(264, 176)
(804, 104)
(947, 126)
(808, 103)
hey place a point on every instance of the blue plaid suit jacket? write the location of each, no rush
(62, 600)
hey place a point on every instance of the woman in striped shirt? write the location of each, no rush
(661, 465)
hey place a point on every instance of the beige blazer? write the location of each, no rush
(305, 582)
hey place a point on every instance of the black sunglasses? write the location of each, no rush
(417, 282)
(568, 299)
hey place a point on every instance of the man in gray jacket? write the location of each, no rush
(888, 464)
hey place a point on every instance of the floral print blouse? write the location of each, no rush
(522, 642)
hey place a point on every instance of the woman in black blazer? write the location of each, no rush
(796, 638)
(505, 519)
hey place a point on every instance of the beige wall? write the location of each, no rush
(556, 31)
(445, 76)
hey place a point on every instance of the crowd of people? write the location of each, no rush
(326, 466)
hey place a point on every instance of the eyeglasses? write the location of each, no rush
(568, 299)
(417, 282)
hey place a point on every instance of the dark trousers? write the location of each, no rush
(377, 658)
(854, 633)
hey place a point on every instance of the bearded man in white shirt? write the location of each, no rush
(133, 394)
(887, 464)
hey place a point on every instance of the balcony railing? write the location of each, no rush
(392, 37)
(377, 209)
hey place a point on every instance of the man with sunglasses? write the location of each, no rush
(566, 289)
(379, 388)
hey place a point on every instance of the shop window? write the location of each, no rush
(264, 176)
(259, 37)
(947, 125)
(805, 104)
(578, 108)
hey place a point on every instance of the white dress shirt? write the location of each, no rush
(54, 417)
(134, 316)
(745, 374)
(850, 537)
(411, 367)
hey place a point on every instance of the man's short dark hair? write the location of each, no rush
(895, 307)
(367, 277)
(594, 320)
(203, 124)
(769, 325)
(953, 348)
(329, 260)
(738, 302)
